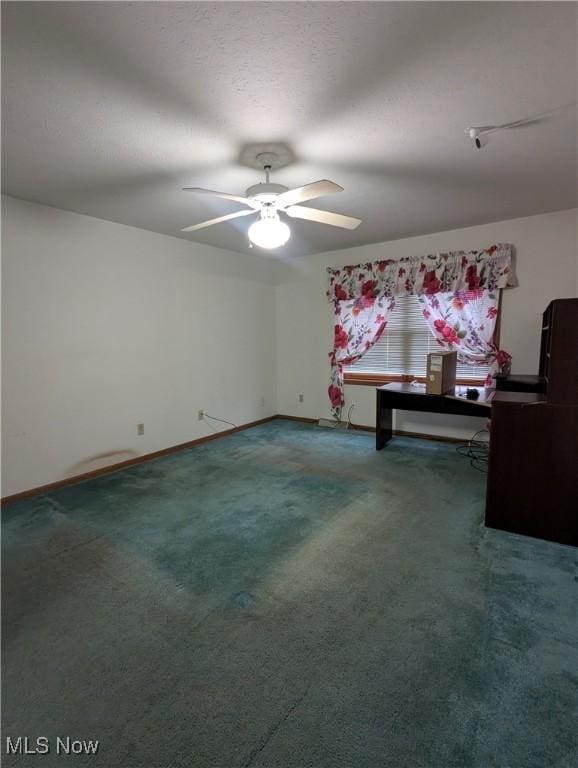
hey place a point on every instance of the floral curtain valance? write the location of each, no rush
(489, 269)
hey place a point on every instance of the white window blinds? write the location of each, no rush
(405, 344)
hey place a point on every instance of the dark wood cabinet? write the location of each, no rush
(533, 463)
(559, 351)
(533, 470)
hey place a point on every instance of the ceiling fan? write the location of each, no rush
(268, 200)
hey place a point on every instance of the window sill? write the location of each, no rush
(378, 379)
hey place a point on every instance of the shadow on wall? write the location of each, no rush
(100, 461)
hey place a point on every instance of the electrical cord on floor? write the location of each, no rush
(477, 451)
(214, 418)
(339, 423)
(351, 407)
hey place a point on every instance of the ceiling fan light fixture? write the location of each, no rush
(269, 232)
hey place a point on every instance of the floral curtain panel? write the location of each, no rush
(364, 295)
(465, 321)
(358, 325)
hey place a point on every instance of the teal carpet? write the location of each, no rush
(287, 597)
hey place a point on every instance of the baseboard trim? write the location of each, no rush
(112, 468)
(118, 467)
(297, 418)
(397, 432)
(418, 435)
(424, 436)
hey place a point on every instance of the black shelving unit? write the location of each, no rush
(559, 351)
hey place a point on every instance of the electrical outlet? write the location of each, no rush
(301, 398)
(140, 429)
(262, 402)
(200, 415)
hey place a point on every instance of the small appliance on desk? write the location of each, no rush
(441, 372)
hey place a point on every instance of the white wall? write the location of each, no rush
(547, 268)
(106, 326)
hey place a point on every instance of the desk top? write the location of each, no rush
(458, 393)
(487, 396)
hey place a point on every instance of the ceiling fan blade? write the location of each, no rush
(224, 195)
(308, 192)
(210, 223)
(322, 217)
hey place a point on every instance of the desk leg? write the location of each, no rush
(383, 426)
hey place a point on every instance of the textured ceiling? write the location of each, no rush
(110, 108)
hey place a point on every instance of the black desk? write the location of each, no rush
(405, 397)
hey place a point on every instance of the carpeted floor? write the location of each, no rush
(288, 597)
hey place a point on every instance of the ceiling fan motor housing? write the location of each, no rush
(266, 192)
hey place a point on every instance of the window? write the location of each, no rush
(401, 352)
